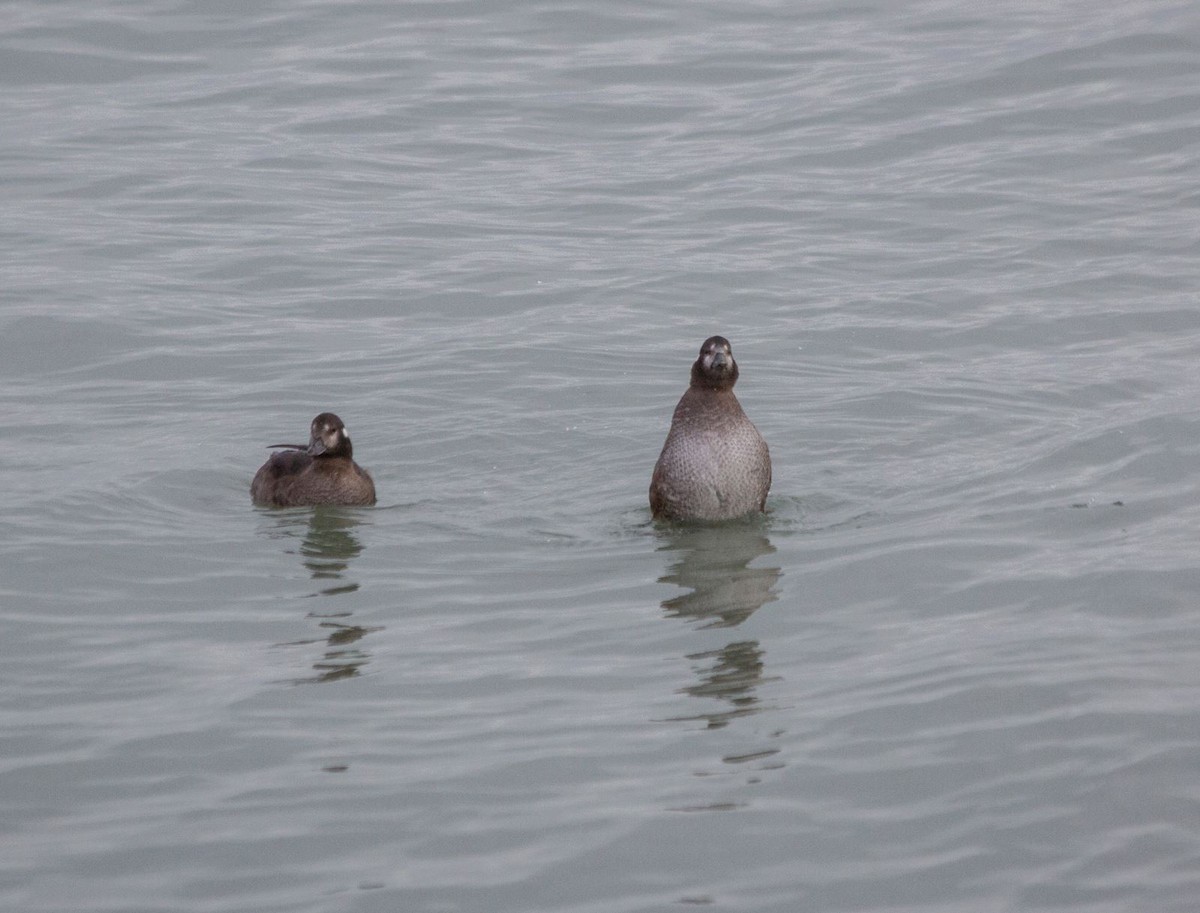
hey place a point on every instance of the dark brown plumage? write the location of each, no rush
(323, 472)
(714, 464)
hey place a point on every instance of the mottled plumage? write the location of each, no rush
(714, 464)
(323, 472)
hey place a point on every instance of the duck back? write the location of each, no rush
(295, 479)
(714, 464)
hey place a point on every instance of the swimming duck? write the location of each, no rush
(714, 464)
(323, 472)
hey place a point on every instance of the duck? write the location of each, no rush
(321, 472)
(714, 465)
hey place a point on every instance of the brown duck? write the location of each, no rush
(323, 472)
(714, 465)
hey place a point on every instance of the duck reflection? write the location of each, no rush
(724, 590)
(327, 550)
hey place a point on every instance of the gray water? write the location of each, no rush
(955, 246)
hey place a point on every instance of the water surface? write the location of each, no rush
(956, 251)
